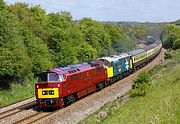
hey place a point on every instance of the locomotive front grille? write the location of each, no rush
(48, 93)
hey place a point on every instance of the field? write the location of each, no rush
(161, 104)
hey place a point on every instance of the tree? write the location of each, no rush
(33, 18)
(37, 51)
(168, 43)
(15, 63)
(2, 5)
(170, 35)
(86, 52)
(95, 35)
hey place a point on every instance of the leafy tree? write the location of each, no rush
(39, 15)
(31, 18)
(86, 52)
(2, 5)
(15, 63)
(37, 51)
(65, 39)
(34, 35)
(32, 41)
(170, 35)
(168, 43)
(95, 35)
(141, 31)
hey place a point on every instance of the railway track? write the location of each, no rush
(24, 114)
(33, 118)
(15, 103)
(20, 108)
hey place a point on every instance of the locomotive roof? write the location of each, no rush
(115, 57)
(137, 51)
(75, 68)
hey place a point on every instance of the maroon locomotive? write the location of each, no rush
(62, 86)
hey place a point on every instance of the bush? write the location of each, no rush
(167, 55)
(140, 85)
(176, 44)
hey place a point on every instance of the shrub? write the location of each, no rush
(176, 44)
(167, 55)
(140, 85)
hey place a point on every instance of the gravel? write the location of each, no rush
(18, 116)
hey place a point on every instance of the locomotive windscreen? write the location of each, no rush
(50, 77)
(106, 63)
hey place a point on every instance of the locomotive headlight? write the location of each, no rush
(58, 85)
(37, 86)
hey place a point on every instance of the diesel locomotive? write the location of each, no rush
(63, 85)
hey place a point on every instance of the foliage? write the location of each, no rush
(167, 55)
(140, 85)
(15, 62)
(170, 35)
(2, 5)
(17, 92)
(160, 105)
(32, 41)
(176, 44)
(94, 34)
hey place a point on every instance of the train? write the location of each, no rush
(61, 86)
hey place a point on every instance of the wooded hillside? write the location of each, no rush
(32, 40)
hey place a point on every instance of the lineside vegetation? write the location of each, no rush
(31, 41)
(159, 104)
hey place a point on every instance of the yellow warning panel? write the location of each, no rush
(109, 71)
(48, 93)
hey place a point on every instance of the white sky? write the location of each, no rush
(114, 10)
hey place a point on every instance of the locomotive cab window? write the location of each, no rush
(50, 77)
(42, 77)
(106, 63)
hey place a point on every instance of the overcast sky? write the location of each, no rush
(114, 10)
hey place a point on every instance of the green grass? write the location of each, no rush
(16, 92)
(160, 105)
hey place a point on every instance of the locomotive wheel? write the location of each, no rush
(100, 86)
(69, 99)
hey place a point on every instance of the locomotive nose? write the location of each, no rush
(44, 93)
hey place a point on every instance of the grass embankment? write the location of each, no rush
(16, 93)
(161, 104)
